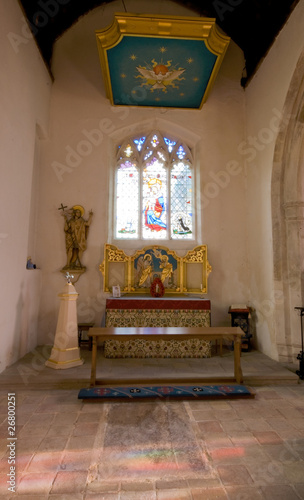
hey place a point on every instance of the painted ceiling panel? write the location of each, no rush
(175, 69)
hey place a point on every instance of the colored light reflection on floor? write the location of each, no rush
(152, 459)
(222, 453)
(157, 461)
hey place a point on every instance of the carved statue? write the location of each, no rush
(76, 232)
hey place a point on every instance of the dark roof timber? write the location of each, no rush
(252, 24)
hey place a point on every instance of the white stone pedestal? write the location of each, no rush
(65, 352)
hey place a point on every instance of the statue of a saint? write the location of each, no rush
(146, 272)
(76, 232)
(167, 269)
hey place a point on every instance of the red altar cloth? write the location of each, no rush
(185, 303)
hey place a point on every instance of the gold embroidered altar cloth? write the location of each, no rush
(138, 312)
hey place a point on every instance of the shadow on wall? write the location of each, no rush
(27, 309)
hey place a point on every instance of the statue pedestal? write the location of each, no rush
(65, 352)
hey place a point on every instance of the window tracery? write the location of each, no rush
(154, 189)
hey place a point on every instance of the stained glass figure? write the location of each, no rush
(127, 200)
(181, 201)
(154, 200)
(156, 175)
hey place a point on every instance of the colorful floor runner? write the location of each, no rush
(165, 391)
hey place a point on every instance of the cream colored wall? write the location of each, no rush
(72, 171)
(25, 90)
(265, 98)
(77, 173)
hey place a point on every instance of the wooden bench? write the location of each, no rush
(233, 334)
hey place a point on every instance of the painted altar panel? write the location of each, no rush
(155, 262)
(135, 273)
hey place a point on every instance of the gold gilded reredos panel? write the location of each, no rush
(135, 273)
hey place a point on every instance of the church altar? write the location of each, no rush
(163, 312)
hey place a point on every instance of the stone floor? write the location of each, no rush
(237, 449)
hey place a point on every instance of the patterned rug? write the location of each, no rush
(164, 392)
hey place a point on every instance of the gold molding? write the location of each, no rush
(130, 285)
(174, 27)
(197, 256)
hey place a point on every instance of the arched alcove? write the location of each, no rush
(288, 219)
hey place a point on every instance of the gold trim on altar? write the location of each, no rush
(135, 273)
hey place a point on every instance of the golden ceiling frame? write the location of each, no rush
(164, 27)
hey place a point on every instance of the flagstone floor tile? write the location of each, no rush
(26, 497)
(268, 437)
(245, 493)
(264, 474)
(299, 489)
(72, 460)
(97, 496)
(70, 482)
(59, 430)
(35, 483)
(209, 494)
(234, 475)
(45, 462)
(68, 449)
(171, 495)
(232, 455)
(67, 496)
(276, 492)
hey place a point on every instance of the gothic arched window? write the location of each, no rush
(154, 189)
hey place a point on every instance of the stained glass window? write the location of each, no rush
(154, 189)
(139, 142)
(127, 187)
(181, 200)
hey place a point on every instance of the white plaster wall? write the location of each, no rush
(73, 174)
(24, 89)
(265, 97)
